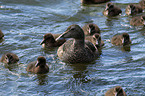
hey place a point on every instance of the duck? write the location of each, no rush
(76, 50)
(138, 21)
(39, 66)
(93, 1)
(122, 39)
(142, 4)
(96, 40)
(111, 10)
(9, 58)
(1, 35)
(133, 9)
(49, 41)
(90, 29)
(116, 91)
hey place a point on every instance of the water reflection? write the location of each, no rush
(80, 73)
(126, 48)
(78, 79)
(11, 67)
(1, 40)
(42, 79)
(110, 21)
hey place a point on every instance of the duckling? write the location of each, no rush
(123, 39)
(138, 21)
(133, 9)
(112, 10)
(49, 41)
(9, 58)
(39, 66)
(93, 1)
(90, 29)
(116, 91)
(96, 40)
(142, 4)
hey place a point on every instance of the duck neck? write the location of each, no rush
(52, 40)
(79, 43)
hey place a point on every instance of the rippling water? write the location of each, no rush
(24, 22)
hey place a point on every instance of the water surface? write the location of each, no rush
(24, 22)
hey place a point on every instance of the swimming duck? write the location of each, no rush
(9, 58)
(1, 35)
(96, 40)
(116, 91)
(133, 9)
(93, 1)
(39, 66)
(90, 29)
(122, 39)
(112, 10)
(76, 50)
(142, 4)
(138, 21)
(49, 41)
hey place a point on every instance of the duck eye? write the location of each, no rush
(73, 29)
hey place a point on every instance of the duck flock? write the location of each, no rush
(82, 45)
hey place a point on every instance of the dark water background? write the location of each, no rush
(24, 22)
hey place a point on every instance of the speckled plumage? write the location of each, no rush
(122, 39)
(76, 50)
(133, 9)
(39, 66)
(138, 21)
(142, 4)
(112, 10)
(90, 29)
(96, 40)
(116, 91)
(9, 58)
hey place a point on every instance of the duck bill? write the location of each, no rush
(37, 64)
(89, 30)
(62, 36)
(8, 60)
(42, 42)
(123, 41)
(106, 8)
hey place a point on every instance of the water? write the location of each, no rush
(24, 22)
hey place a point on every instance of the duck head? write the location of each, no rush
(73, 31)
(48, 37)
(41, 61)
(126, 39)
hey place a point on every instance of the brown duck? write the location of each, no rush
(138, 21)
(123, 39)
(142, 4)
(9, 58)
(96, 40)
(49, 41)
(112, 10)
(133, 9)
(90, 29)
(76, 50)
(116, 91)
(93, 1)
(39, 66)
